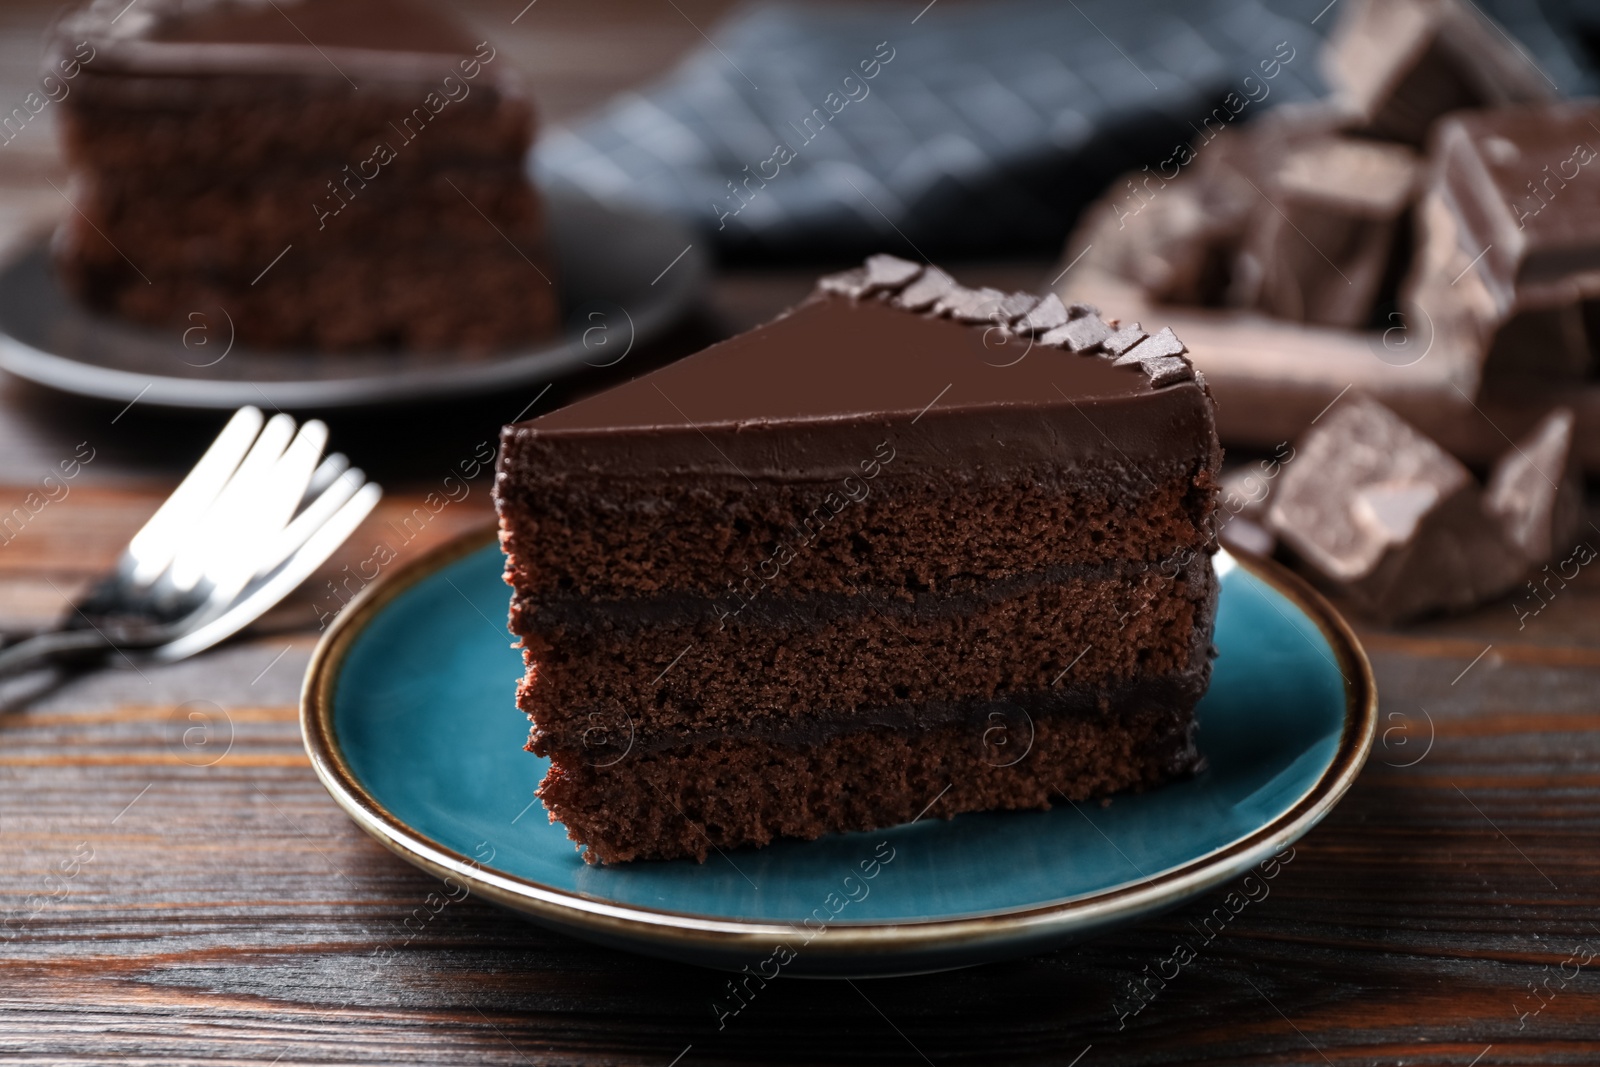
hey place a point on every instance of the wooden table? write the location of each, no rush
(175, 886)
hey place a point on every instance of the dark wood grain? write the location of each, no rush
(173, 897)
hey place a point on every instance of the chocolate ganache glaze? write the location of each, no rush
(855, 364)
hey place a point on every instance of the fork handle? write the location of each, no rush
(59, 646)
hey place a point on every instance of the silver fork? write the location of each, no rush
(254, 518)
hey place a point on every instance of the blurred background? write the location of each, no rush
(786, 140)
(790, 139)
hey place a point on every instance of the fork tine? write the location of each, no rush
(325, 475)
(311, 518)
(151, 550)
(296, 569)
(254, 526)
(193, 555)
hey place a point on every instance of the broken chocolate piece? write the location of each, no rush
(1322, 250)
(885, 273)
(1123, 339)
(1165, 343)
(1079, 335)
(1017, 305)
(1388, 517)
(1167, 370)
(1536, 490)
(851, 283)
(1400, 64)
(1158, 357)
(1044, 316)
(1176, 247)
(1176, 239)
(1509, 237)
(971, 305)
(923, 293)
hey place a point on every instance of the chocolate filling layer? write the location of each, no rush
(609, 736)
(580, 615)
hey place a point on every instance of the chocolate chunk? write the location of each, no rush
(1536, 490)
(971, 305)
(923, 293)
(1079, 335)
(956, 297)
(1400, 64)
(851, 283)
(1175, 239)
(1177, 248)
(889, 273)
(988, 305)
(1017, 305)
(1045, 316)
(1056, 338)
(1515, 178)
(1123, 339)
(1392, 520)
(1165, 343)
(1166, 370)
(1357, 445)
(1321, 247)
(1077, 311)
(1508, 240)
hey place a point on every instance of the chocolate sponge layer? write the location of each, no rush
(827, 659)
(230, 226)
(731, 542)
(236, 124)
(681, 803)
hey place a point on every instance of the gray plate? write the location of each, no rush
(616, 285)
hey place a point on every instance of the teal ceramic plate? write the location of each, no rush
(409, 720)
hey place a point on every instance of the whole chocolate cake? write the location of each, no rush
(330, 173)
(909, 547)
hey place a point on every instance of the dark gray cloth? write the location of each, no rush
(982, 128)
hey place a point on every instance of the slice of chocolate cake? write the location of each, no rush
(330, 173)
(909, 547)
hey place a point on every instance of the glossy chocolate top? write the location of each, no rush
(355, 38)
(894, 350)
(1524, 186)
